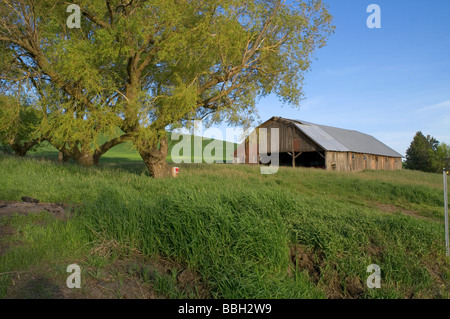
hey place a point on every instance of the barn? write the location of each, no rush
(312, 145)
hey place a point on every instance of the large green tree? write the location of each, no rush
(420, 154)
(147, 65)
(19, 124)
(441, 158)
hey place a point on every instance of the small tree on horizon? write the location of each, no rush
(421, 154)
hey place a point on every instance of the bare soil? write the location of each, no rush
(304, 258)
(311, 261)
(9, 208)
(388, 208)
(130, 278)
(5, 231)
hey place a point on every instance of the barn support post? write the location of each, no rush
(295, 145)
(294, 157)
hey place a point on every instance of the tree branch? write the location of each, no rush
(91, 16)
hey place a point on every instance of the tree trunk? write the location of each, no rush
(85, 159)
(71, 150)
(85, 156)
(62, 157)
(107, 146)
(22, 149)
(154, 157)
(19, 151)
(96, 158)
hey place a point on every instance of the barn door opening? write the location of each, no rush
(304, 159)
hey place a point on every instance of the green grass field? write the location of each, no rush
(222, 231)
(126, 152)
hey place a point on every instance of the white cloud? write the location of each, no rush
(434, 107)
(308, 103)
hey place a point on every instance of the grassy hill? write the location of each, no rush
(223, 231)
(126, 152)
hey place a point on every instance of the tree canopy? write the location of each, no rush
(19, 124)
(427, 154)
(142, 66)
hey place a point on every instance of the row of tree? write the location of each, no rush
(135, 68)
(427, 154)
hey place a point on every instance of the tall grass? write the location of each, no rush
(235, 227)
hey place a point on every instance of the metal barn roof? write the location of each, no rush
(342, 140)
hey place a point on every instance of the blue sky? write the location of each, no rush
(389, 82)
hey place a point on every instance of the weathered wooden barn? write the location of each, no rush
(311, 145)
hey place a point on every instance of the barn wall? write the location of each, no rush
(290, 138)
(349, 161)
(337, 161)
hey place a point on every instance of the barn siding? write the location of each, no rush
(350, 161)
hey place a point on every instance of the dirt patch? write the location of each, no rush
(187, 280)
(375, 250)
(51, 284)
(388, 208)
(304, 258)
(132, 275)
(438, 268)
(353, 287)
(9, 208)
(34, 286)
(331, 284)
(122, 279)
(149, 269)
(5, 231)
(325, 276)
(28, 206)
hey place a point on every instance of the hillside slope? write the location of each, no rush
(126, 152)
(223, 231)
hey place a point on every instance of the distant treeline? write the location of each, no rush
(427, 154)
